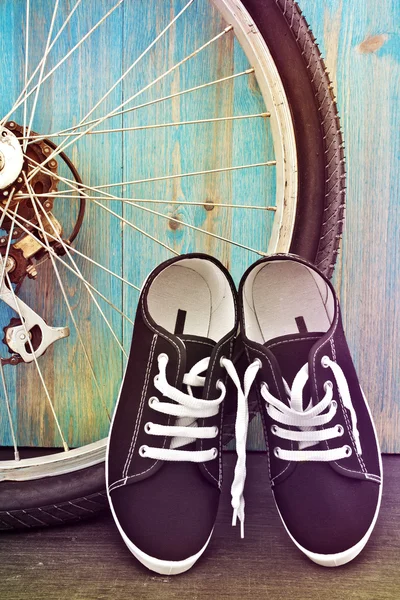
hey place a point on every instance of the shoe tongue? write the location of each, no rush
(291, 353)
(197, 347)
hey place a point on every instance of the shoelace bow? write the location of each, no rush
(187, 409)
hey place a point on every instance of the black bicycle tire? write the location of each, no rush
(318, 227)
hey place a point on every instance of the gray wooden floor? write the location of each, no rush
(88, 561)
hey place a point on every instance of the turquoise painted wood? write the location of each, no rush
(110, 158)
(360, 41)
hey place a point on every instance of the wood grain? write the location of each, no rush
(361, 44)
(110, 158)
(360, 41)
(90, 561)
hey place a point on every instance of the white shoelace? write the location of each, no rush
(306, 420)
(187, 409)
(241, 427)
(312, 417)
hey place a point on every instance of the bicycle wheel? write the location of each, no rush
(142, 130)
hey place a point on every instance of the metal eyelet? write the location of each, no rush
(340, 429)
(276, 452)
(274, 429)
(328, 384)
(215, 452)
(348, 451)
(147, 427)
(325, 361)
(142, 451)
(152, 400)
(334, 404)
(163, 355)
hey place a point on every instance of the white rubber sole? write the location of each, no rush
(341, 558)
(163, 567)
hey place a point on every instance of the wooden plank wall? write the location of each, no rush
(65, 99)
(360, 41)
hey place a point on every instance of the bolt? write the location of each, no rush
(22, 336)
(11, 125)
(13, 360)
(46, 150)
(5, 193)
(47, 204)
(2, 240)
(10, 264)
(52, 164)
(19, 179)
(31, 271)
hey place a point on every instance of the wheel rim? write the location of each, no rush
(284, 186)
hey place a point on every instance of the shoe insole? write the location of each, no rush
(287, 299)
(180, 300)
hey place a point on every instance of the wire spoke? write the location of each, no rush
(24, 90)
(74, 186)
(8, 407)
(66, 249)
(136, 62)
(16, 300)
(132, 225)
(6, 396)
(199, 229)
(27, 17)
(81, 41)
(144, 208)
(126, 222)
(71, 248)
(5, 208)
(39, 84)
(161, 99)
(33, 139)
(5, 258)
(67, 196)
(65, 144)
(269, 163)
(17, 306)
(53, 262)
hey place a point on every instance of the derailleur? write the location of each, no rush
(25, 238)
(31, 338)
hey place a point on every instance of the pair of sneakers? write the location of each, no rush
(164, 457)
